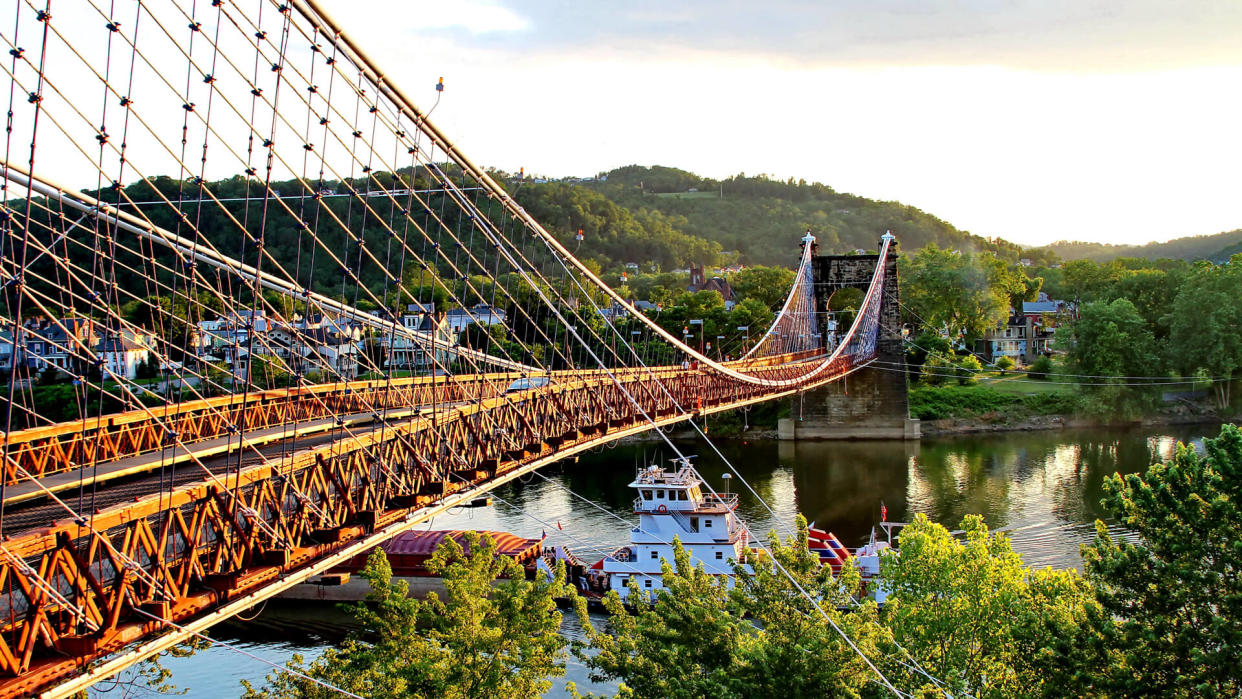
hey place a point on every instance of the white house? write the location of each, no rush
(122, 353)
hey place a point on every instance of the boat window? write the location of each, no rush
(659, 494)
(647, 582)
(646, 494)
(694, 524)
(655, 554)
(681, 495)
(720, 555)
(707, 523)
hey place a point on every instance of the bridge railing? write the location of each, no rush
(63, 447)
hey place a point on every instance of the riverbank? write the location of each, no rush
(1006, 405)
(955, 426)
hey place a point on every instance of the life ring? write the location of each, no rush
(662, 508)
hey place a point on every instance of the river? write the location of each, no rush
(1043, 488)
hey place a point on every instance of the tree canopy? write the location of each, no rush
(494, 634)
(1174, 586)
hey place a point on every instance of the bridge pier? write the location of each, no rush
(872, 403)
(868, 404)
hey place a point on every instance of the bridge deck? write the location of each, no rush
(88, 476)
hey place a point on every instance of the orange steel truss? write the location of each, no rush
(43, 451)
(178, 556)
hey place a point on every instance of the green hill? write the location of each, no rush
(1217, 248)
(762, 218)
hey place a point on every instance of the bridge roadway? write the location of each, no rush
(151, 559)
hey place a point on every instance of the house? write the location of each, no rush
(68, 345)
(1027, 334)
(482, 314)
(326, 351)
(1012, 339)
(700, 282)
(1047, 315)
(7, 350)
(614, 312)
(404, 351)
(58, 344)
(121, 353)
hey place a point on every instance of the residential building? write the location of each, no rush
(700, 282)
(1028, 334)
(482, 314)
(122, 353)
(406, 352)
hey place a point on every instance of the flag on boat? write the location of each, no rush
(558, 525)
(545, 535)
(883, 512)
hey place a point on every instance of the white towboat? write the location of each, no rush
(672, 504)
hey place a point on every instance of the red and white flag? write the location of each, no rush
(883, 512)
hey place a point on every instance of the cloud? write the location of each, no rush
(1061, 35)
(474, 17)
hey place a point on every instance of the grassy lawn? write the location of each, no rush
(1020, 383)
(995, 399)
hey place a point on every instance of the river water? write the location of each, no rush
(1043, 488)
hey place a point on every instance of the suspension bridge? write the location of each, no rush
(236, 193)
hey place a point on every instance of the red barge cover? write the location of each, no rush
(408, 552)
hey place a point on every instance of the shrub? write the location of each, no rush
(1040, 368)
(937, 370)
(1004, 364)
(968, 368)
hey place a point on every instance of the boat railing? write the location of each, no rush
(726, 499)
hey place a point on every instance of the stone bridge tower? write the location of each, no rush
(871, 403)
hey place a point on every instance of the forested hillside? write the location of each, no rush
(762, 218)
(1217, 248)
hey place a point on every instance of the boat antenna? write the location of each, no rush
(727, 477)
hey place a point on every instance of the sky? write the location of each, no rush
(1034, 121)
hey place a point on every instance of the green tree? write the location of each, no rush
(1205, 320)
(976, 618)
(960, 292)
(1087, 281)
(1175, 587)
(770, 285)
(1110, 339)
(495, 634)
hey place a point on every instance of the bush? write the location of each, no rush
(1040, 368)
(1004, 364)
(937, 370)
(967, 370)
